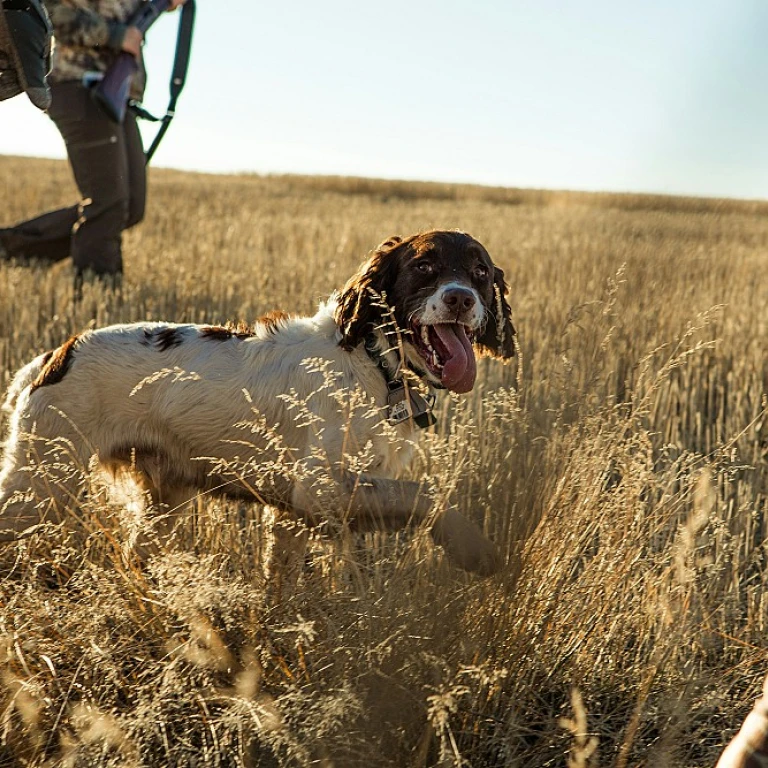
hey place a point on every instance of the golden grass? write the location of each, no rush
(621, 468)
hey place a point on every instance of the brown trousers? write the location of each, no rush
(107, 161)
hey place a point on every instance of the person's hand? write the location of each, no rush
(133, 40)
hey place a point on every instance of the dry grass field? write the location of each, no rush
(620, 465)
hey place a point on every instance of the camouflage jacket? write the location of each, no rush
(88, 36)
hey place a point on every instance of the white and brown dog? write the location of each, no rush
(168, 403)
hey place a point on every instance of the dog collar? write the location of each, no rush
(404, 402)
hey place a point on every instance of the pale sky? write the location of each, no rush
(657, 96)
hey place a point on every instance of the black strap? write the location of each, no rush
(403, 402)
(178, 76)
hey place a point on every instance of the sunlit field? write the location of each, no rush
(620, 464)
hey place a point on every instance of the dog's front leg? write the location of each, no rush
(465, 543)
(374, 503)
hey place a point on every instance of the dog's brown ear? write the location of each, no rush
(360, 307)
(498, 336)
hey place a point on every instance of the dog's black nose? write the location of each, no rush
(459, 298)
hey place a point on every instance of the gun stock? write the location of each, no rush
(111, 93)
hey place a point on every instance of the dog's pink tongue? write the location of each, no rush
(459, 369)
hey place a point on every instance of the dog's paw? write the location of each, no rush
(465, 544)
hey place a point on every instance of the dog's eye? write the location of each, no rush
(481, 271)
(425, 267)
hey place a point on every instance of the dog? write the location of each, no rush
(176, 407)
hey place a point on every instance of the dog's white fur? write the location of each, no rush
(179, 407)
(114, 397)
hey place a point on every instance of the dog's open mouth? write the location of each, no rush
(446, 349)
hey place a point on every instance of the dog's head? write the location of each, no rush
(446, 295)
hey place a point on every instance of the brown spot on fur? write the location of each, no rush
(273, 320)
(55, 364)
(239, 330)
(216, 332)
(166, 338)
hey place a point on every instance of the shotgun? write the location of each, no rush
(111, 92)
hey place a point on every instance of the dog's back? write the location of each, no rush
(170, 402)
